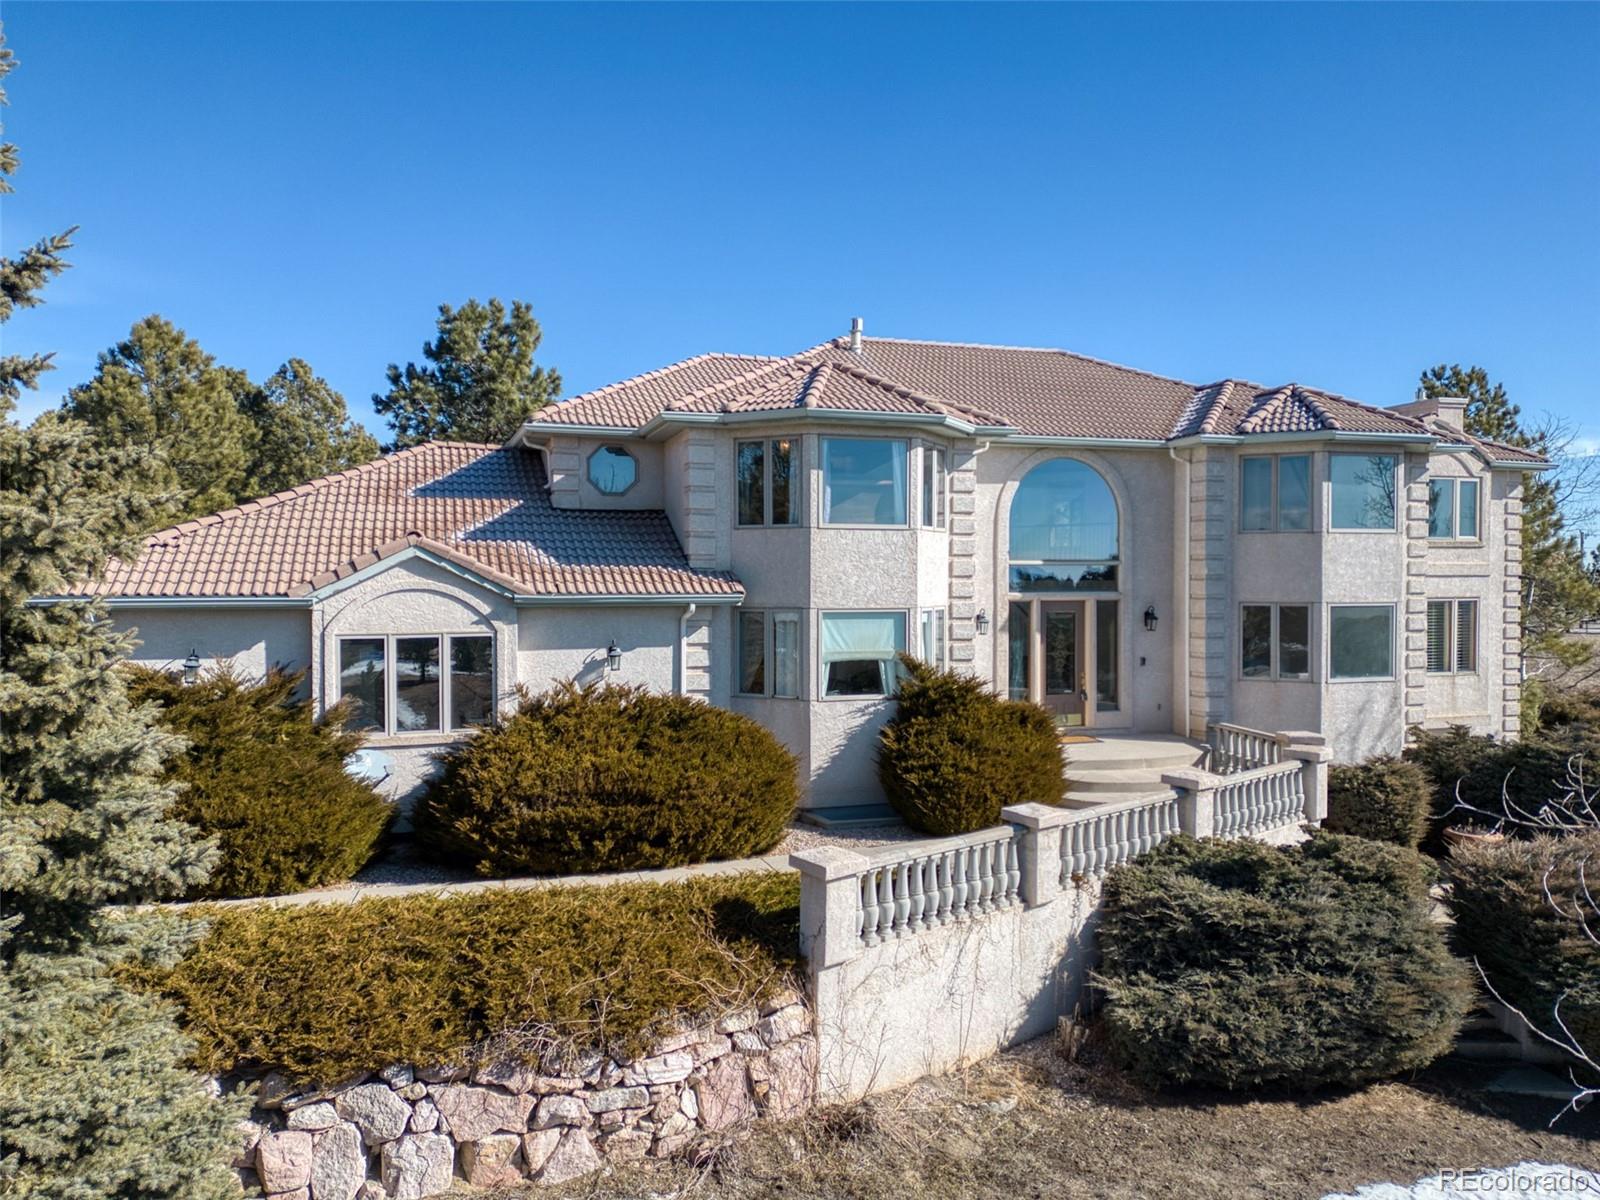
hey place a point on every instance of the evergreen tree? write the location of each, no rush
(94, 1098)
(160, 390)
(1557, 592)
(302, 430)
(478, 383)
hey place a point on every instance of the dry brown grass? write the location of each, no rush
(1029, 1124)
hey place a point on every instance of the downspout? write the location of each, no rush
(1183, 598)
(683, 649)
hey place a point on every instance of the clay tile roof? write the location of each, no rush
(483, 507)
(1049, 393)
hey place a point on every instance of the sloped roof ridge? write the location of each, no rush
(657, 373)
(790, 365)
(843, 343)
(937, 403)
(1390, 413)
(381, 463)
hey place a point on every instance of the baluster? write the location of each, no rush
(947, 889)
(976, 892)
(986, 877)
(868, 921)
(885, 903)
(1013, 871)
(958, 883)
(918, 895)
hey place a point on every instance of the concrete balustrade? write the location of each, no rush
(926, 955)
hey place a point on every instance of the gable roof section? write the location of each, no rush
(1234, 408)
(634, 402)
(483, 508)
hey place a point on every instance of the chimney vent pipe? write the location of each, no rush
(855, 335)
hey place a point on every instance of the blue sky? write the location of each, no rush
(1334, 195)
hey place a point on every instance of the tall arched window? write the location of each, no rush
(1063, 530)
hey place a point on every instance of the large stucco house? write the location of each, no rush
(1134, 552)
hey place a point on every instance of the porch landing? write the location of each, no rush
(1120, 766)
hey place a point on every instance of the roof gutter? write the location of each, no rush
(180, 601)
(633, 600)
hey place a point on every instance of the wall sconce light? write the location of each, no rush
(1150, 618)
(613, 657)
(191, 668)
(982, 621)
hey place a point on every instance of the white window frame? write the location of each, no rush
(1274, 504)
(447, 727)
(1275, 672)
(934, 486)
(796, 475)
(1452, 636)
(905, 616)
(1455, 535)
(1396, 465)
(607, 448)
(1393, 646)
(822, 476)
(939, 620)
(770, 618)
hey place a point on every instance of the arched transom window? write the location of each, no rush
(1063, 530)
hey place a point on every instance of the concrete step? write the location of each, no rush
(1083, 800)
(1121, 780)
(1489, 1044)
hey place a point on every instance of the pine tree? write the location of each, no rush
(159, 389)
(94, 1098)
(1557, 592)
(478, 383)
(303, 430)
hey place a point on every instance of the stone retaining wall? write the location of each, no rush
(406, 1133)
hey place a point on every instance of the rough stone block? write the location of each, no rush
(376, 1110)
(621, 1097)
(573, 1158)
(417, 1165)
(283, 1160)
(493, 1161)
(473, 1113)
(723, 1094)
(314, 1116)
(338, 1164)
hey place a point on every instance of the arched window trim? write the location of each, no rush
(1076, 569)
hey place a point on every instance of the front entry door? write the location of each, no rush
(1065, 682)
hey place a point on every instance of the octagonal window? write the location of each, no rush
(612, 470)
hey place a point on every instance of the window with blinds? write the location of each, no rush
(1452, 636)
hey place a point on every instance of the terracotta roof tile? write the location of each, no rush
(484, 507)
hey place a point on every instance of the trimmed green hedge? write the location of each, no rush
(1383, 798)
(323, 990)
(954, 754)
(1239, 965)
(1529, 952)
(585, 779)
(266, 780)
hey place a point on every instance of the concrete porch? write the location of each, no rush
(1121, 766)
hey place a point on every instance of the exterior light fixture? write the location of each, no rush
(613, 656)
(191, 668)
(1150, 618)
(982, 621)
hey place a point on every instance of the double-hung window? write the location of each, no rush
(1361, 490)
(863, 481)
(768, 474)
(1452, 637)
(859, 652)
(1275, 641)
(1361, 641)
(933, 487)
(1453, 510)
(1275, 493)
(417, 683)
(933, 636)
(767, 653)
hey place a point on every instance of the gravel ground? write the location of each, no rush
(809, 837)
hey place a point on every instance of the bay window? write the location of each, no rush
(1275, 493)
(933, 636)
(767, 474)
(859, 652)
(1453, 509)
(417, 683)
(1362, 490)
(933, 487)
(1361, 641)
(1452, 637)
(1275, 641)
(863, 481)
(767, 653)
